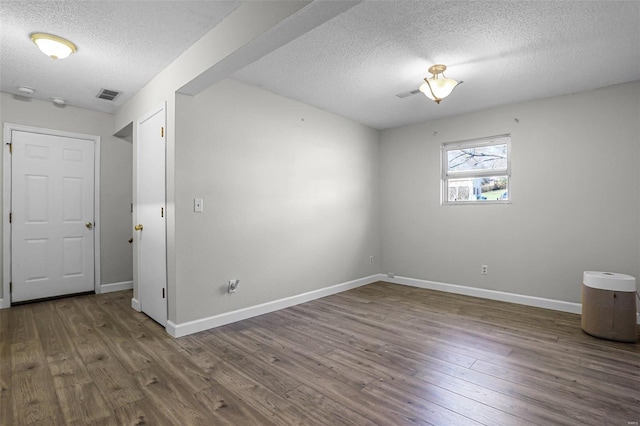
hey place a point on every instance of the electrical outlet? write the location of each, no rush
(484, 270)
(370, 259)
(233, 286)
(391, 275)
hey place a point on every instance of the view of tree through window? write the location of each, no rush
(479, 158)
(476, 170)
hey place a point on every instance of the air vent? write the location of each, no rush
(407, 94)
(108, 95)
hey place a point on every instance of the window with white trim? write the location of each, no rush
(477, 171)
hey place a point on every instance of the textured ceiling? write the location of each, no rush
(505, 52)
(122, 45)
(352, 65)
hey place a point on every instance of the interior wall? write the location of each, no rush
(574, 190)
(115, 174)
(242, 27)
(290, 199)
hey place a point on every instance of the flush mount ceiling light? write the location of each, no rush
(53, 46)
(58, 101)
(438, 86)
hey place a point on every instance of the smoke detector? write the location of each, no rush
(25, 91)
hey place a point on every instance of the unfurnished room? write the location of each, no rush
(320, 212)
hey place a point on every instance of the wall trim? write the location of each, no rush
(520, 299)
(111, 287)
(135, 304)
(190, 327)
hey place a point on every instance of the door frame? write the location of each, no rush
(5, 302)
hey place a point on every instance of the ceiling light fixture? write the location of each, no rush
(437, 88)
(53, 46)
(58, 101)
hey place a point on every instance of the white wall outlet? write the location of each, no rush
(484, 270)
(370, 259)
(198, 205)
(233, 286)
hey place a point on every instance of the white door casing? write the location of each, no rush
(50, 195)
(150, 210)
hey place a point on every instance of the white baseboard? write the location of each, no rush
(4, 303)
(190, 327)
(520, 299)
(135, 304)
(540, 302)
(108, 288)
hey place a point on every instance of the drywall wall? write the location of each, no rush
(115, 174)
(247, 31)
(289, 192)
(574, 191)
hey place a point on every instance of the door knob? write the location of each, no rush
(89, 225)
(138, 228)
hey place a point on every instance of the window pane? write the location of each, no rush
(491, 157)
(478, 189)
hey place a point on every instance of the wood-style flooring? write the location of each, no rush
(382, 354)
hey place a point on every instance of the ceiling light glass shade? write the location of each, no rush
(438, 86)
(437, 89)
(53, 46)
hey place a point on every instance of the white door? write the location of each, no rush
(52, 215)
(150, 208)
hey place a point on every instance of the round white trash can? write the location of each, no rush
(609, 306)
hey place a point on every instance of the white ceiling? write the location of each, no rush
(122, 45)
(352, 65)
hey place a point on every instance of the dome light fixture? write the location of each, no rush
(53, 46)
(58, 101)
(438, 87)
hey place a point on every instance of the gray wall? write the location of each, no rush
(575, 192)
(115, 174)
(289, 194)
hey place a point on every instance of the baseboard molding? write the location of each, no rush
(108, 288)
(520, 299)
(135, 304)
(540, 302)
(4, 303)
(190, 327)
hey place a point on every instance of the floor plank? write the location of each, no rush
(381, 354)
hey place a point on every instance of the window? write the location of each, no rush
(476, 171)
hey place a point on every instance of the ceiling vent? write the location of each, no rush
(108, 95)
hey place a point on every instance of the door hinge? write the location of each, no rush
(10, 217)
(163, 293)
(131, 207)
(162, 132)
(161, 211)
(10, 147)
(10, 287)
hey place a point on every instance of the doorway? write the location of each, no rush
(51, 204)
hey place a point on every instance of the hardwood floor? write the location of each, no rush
(381, 354)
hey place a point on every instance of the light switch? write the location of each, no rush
(198, 205)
